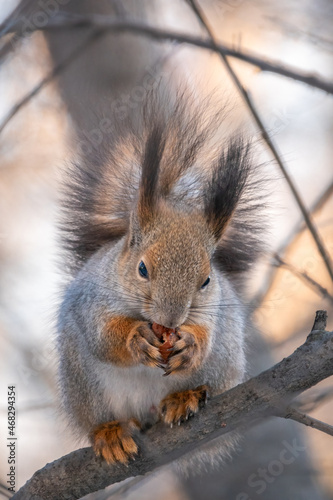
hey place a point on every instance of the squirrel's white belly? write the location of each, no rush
(136, 391)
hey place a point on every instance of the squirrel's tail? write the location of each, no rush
(176, 155)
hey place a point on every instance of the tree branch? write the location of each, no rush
(303, 276)
(110, 24)
(4, 491)
(299, 227)
(319, 203)
(213, 45)
(266, 137)
(309, 421)
(59, 68)
(106, 24)
(267, 394)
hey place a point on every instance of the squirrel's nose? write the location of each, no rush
(171, 312)
(171, 320)
(170, 323)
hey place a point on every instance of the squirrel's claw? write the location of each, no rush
(180, 406)
(143, 345)
(184, 359)
(114, 441)
(187, 352)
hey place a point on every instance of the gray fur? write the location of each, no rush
(95, 391)
(160, 203)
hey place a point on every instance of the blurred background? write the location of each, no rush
(100, 75)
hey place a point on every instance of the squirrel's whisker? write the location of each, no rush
(159, 223)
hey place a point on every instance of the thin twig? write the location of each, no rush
(22, 11)
(4, 491)
(245, 95)
(108, 23)
(289, 28)
(59, 68)
(302, 418)
(302, 275)
(300, 226)
(307, 217)
(111, 25)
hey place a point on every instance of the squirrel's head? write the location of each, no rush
(168, 264)
(177, 173)
(166, 259)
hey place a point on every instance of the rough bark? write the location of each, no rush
(268, 394)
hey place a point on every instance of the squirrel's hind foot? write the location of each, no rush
(180, 406)
(114, 440)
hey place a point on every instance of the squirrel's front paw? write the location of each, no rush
(179, 406)
(114, 440)
(144, 345)
(189, 351)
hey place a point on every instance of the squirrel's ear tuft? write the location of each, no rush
(134, 232)
(226, 186)
(148, 191)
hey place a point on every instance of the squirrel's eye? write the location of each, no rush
(206, 282)
(143, 270)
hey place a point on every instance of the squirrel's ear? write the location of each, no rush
(226, 186)
(148, 191)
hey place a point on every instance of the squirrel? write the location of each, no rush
(160, 226)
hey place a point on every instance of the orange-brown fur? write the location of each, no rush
(126, 339)
(189, 350)
(179, 406)
(114, 440)
(187, 211)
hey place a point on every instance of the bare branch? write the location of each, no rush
(316, 207)
(101, 22)
(4, 491)
(81, 472)
(303, 276)
(307, 217)
(296, 31)
(59, 68)
(296, 415)
(320, 322)
(23, 10)
(110, 24)
(301, 226)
